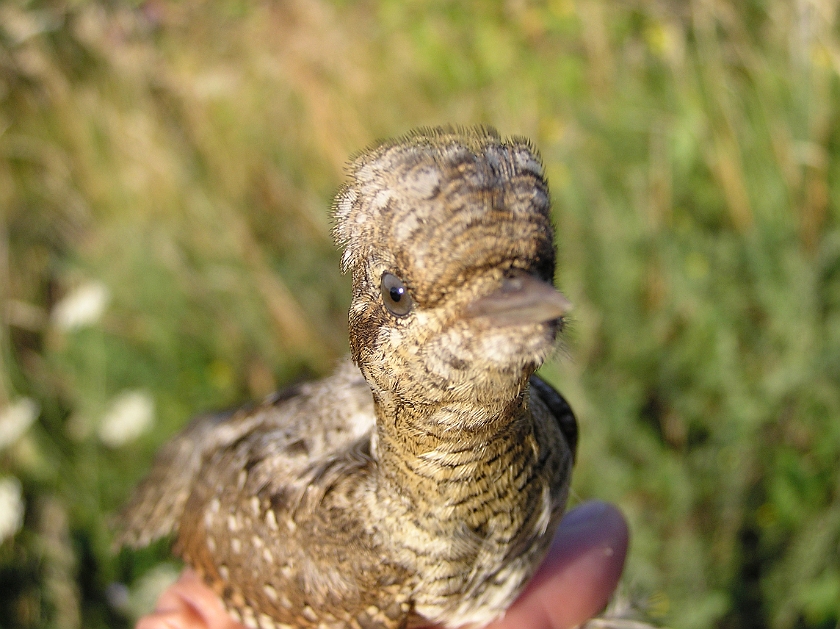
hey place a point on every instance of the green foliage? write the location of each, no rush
(177, 161)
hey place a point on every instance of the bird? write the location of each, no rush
(421, 482)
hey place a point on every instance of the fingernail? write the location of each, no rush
(586, 514)
(592, 524)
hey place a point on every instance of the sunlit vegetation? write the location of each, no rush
(166, 173)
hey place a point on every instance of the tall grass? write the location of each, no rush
(180, 159)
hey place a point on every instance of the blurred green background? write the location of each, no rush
(166, 170)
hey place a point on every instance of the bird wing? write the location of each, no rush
(313, 419)
(559, 409)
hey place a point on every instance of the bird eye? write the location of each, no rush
(395, 295)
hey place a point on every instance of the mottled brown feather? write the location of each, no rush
(422, 483)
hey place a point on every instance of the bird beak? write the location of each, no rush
(521, 299)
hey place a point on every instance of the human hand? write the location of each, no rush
(574, 582)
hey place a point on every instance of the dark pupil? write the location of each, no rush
(396, 293)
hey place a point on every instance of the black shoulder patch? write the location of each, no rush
(561, 410)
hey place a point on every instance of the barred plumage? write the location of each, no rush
(422, 483)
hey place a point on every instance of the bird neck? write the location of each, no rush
(422, 449)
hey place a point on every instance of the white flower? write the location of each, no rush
(16, 419)
(11, 507)
(131, 414)
(81, 307)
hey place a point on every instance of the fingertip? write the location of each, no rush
(580, 572)
(188, 604)
(164, 620)
(595, 531)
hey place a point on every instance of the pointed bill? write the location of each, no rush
(521, 299)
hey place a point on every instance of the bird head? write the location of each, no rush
(448, 237)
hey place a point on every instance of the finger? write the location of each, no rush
(188, 604)
(579, 574)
